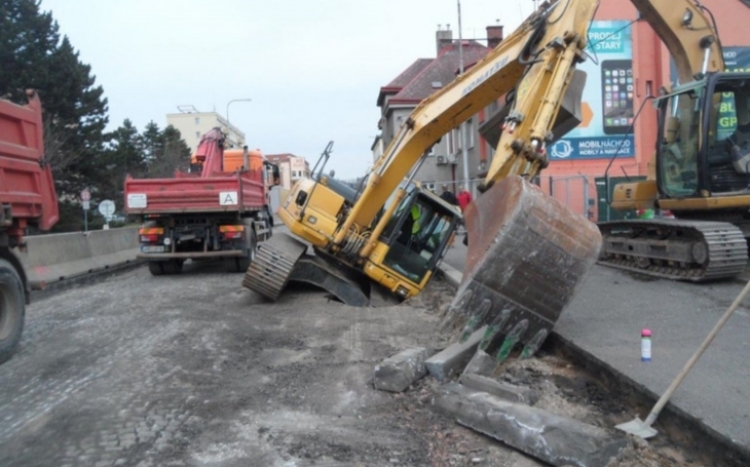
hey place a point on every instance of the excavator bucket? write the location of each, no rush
(528, 253)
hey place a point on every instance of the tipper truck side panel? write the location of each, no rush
(27, 198)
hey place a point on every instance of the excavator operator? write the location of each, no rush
(739, 141)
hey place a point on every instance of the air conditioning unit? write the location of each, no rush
(441, 160)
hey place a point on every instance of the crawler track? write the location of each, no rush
(675, 249)
(273, 264)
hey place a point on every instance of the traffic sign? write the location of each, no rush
(85, 195)
(107, 209)
(86, 205)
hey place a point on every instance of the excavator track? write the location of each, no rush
(676, 249)
(273, 265)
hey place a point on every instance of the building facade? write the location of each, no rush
(398, 99)
(291, 168)
(193, 124)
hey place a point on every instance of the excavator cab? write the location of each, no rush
(418, 233)
(705, 145)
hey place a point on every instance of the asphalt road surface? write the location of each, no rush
(196, 370)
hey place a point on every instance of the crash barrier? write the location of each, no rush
(51, 258)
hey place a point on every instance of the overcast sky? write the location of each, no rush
(313, 68)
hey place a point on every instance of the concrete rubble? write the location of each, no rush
(454, 358)
(480, 364)
(400, 371)
(502, 390)
(557, 440)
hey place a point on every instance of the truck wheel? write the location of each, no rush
(12, 310)
(156, 268)
(236, 264)
(173, 266)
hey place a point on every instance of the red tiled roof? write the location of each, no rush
(403, 79)
(440, 70)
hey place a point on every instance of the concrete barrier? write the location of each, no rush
(55, 257)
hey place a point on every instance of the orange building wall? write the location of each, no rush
(651, 70)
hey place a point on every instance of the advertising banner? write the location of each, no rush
(607, 98)
(736, 59)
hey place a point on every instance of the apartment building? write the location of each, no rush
(193, 124)
(418, 81)
(291, 168)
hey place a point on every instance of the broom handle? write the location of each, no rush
(706, 342)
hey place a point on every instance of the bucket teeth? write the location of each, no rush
(528, 253)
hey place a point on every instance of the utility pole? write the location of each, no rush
(462, 127)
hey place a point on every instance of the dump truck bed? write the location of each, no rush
(239, 191)
(27, 192)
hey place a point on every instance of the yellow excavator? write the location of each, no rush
(527, 252)
(701, 167)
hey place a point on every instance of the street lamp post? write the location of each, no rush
(228, 103)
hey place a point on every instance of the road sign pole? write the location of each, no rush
(85, 220)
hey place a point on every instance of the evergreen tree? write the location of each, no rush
(123, 156)
(174, 155)
(34, 56)
(152, 142)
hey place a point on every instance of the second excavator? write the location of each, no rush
(701, 167)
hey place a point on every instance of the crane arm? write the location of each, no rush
(543, 48)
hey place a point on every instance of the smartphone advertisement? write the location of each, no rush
(608, 105)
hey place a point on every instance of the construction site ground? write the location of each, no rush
(611, 308)
(195, 370)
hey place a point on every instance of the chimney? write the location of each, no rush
(443, 37)
(494, 35)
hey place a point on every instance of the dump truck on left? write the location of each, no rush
(220, 209)
(27, 199)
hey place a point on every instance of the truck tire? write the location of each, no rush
(242, 263)
(156, 268)
(12, 310)
(173, 266)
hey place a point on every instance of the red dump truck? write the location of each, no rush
(27, 199)
(220, 209)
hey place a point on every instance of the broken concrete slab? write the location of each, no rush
(481, 363)
(554, 439)
(400, 371)
(454, 358)
(502, 390)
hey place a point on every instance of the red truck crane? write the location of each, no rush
(27, 199)
(220, 209)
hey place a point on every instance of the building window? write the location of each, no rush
(197, 120)
(470, 131)
(198, 134)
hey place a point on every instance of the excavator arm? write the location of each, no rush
(535, 63)
(528, 253)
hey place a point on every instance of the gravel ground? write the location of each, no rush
(196, 370)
